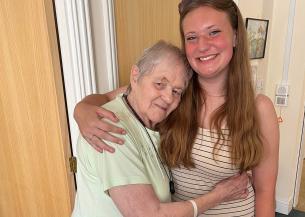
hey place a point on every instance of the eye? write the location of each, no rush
(177, 92)
(214, 32)
(159, 85)
(190, 38)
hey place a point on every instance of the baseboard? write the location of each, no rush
(284, 206)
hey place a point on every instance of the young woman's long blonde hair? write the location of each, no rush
(239, 113)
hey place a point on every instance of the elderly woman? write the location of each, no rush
(134, 181)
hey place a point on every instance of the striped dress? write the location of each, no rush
(191, 183)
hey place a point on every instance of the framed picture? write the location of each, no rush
(257, 30)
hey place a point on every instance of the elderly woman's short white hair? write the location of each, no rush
(155, 54)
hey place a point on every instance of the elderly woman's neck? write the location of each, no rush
(133, 106)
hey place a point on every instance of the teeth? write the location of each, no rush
(207, 58)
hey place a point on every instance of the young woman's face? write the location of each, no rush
(157, 93)
(209, 40)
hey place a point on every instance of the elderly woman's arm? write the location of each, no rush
(140, 200)
(88, 115)
(265, 174)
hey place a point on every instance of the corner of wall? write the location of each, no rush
(284, 206)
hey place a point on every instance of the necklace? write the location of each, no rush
(169, 174)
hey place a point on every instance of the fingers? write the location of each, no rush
(97, 137)
(99, 145)
(242, 194)
(97, 134)
(242, 179)
(103, 135)
(241, 186)
(233, 188)
(108, 127)
(95, 127)
(250, 177)
(243, 182)
(96, 147)
(245, 194)
(96, 130)
(103, 113)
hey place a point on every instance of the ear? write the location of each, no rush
(134, 75)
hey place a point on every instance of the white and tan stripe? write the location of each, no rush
(191, 183)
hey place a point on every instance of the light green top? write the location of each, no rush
(135, 162)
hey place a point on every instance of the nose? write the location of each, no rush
(203, 43)
(167, 95)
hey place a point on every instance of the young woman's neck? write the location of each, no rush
(213, 87)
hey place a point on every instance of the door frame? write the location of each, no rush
(300, 169)
(74, 30)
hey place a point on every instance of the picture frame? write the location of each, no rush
(257, 30)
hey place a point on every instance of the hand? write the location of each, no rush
(233, 188)
(92, 127)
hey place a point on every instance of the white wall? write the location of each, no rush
(270, 69)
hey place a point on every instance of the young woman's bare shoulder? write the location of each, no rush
(265, 108)
(263, 102)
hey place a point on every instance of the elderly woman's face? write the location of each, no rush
(157, 93)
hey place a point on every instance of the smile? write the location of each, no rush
(208, 57)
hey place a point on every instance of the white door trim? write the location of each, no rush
(110, 44)
(74, 29)
(300, 161)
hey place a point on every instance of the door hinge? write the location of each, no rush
(73, 164)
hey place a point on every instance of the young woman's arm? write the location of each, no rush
(89, 116)
(265, 174)
(140, 200)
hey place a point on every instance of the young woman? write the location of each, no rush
(229, 129)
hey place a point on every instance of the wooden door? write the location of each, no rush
(34, 140)
(139, 24)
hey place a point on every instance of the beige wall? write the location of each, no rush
(271, 69)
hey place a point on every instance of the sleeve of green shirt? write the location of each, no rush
(123, 167)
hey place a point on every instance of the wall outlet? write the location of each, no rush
(259, 85)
